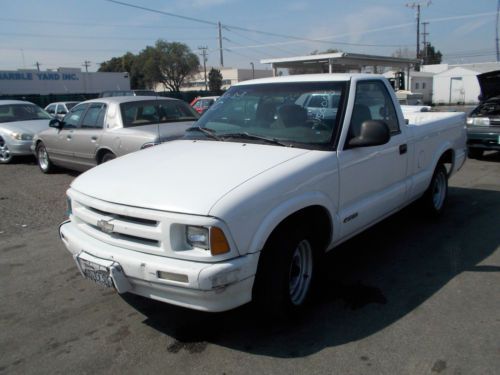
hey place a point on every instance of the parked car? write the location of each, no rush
(59, 109)
(245, 206)
(107, 94)
(483, 123)
(99, 130)
(201, 104)
(19, 121)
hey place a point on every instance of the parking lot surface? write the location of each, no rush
(409, 296)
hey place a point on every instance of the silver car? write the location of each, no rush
(19, 122)
(99, 130)
(59, 109)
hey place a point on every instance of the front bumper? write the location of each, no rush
(483, 137)
(208, 286)
(19, 148)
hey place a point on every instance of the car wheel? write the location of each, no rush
(42, 157)
(285, 273)
(107, 157)
(434, 198)
(475, 153)
(5, 154)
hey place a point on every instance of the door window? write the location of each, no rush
(372, 102)
(72, 119)
(94, 117)
(51, 109)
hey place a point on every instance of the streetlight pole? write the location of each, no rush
(253, 70)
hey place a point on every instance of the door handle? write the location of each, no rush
(94, 138)
(68, 136)
(403, 148)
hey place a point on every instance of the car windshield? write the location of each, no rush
(70, 105)
(22, 112)
(148, 112)
(300, 114)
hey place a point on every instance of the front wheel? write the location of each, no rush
(5, 154)
(107, 157)
(434, 198)
(43, 159)
(285, 273)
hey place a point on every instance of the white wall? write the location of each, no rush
(63, 81)
(443, 84)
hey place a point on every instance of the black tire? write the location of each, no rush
(475, 153)
(43, 159)
(276, 292)
(434, 199)
(5, 155)
(107, 157)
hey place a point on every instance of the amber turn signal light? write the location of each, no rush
(218, 241)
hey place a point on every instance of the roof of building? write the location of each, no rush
(348, 60)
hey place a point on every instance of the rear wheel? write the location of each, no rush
(285, 273)
(434, 198)
(43, 159)
(107, 157)
(5, 154)
(475, 153)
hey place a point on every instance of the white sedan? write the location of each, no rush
(19, 122)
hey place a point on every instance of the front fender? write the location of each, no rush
(288, 208)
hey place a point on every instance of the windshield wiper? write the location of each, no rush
(246, 135)
(207, 131)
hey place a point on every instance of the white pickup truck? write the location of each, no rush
(244, 207)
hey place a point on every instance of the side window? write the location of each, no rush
(423, 85)
(72, 119)
(372, 102)
(94, 117)
(51, 109)
(197, 104)
(61, 109)
(417, 85)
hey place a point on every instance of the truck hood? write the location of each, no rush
(490, 84)
(27, 127)
(182, 176)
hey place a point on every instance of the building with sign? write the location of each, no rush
(60, 81)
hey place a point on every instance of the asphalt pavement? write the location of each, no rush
(409, 296)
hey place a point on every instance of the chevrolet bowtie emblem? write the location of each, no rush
(105, 226)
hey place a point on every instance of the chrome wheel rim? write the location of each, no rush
(300, 272)
(439, 191)
(5, 154)
(43, 158)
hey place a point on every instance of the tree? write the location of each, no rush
(430, 55)
(215, 80)
(170, 63)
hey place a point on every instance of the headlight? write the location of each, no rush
(478, 121)
(211, 238)
(22, 136)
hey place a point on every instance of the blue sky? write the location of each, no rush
(68, 32)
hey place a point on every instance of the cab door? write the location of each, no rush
(87, 137)
(372, 179)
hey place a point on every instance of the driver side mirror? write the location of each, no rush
(372, 133)
(56, 123)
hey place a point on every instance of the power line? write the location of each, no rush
(100, 37)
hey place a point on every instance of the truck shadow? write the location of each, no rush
(368, 283)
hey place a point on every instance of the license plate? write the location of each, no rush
(95, 272)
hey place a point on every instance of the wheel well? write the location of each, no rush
(101, 153)
(447, 159)
(316, 219)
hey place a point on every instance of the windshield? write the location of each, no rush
(148, 112)
(22, 112)
(70, 105)
(303, 114)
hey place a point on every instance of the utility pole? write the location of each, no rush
(496, 26)
(37, 64)
(253, 70)
(204, 54)
(418, 6)
(86, 64)
(220, 45)
(425, 43)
